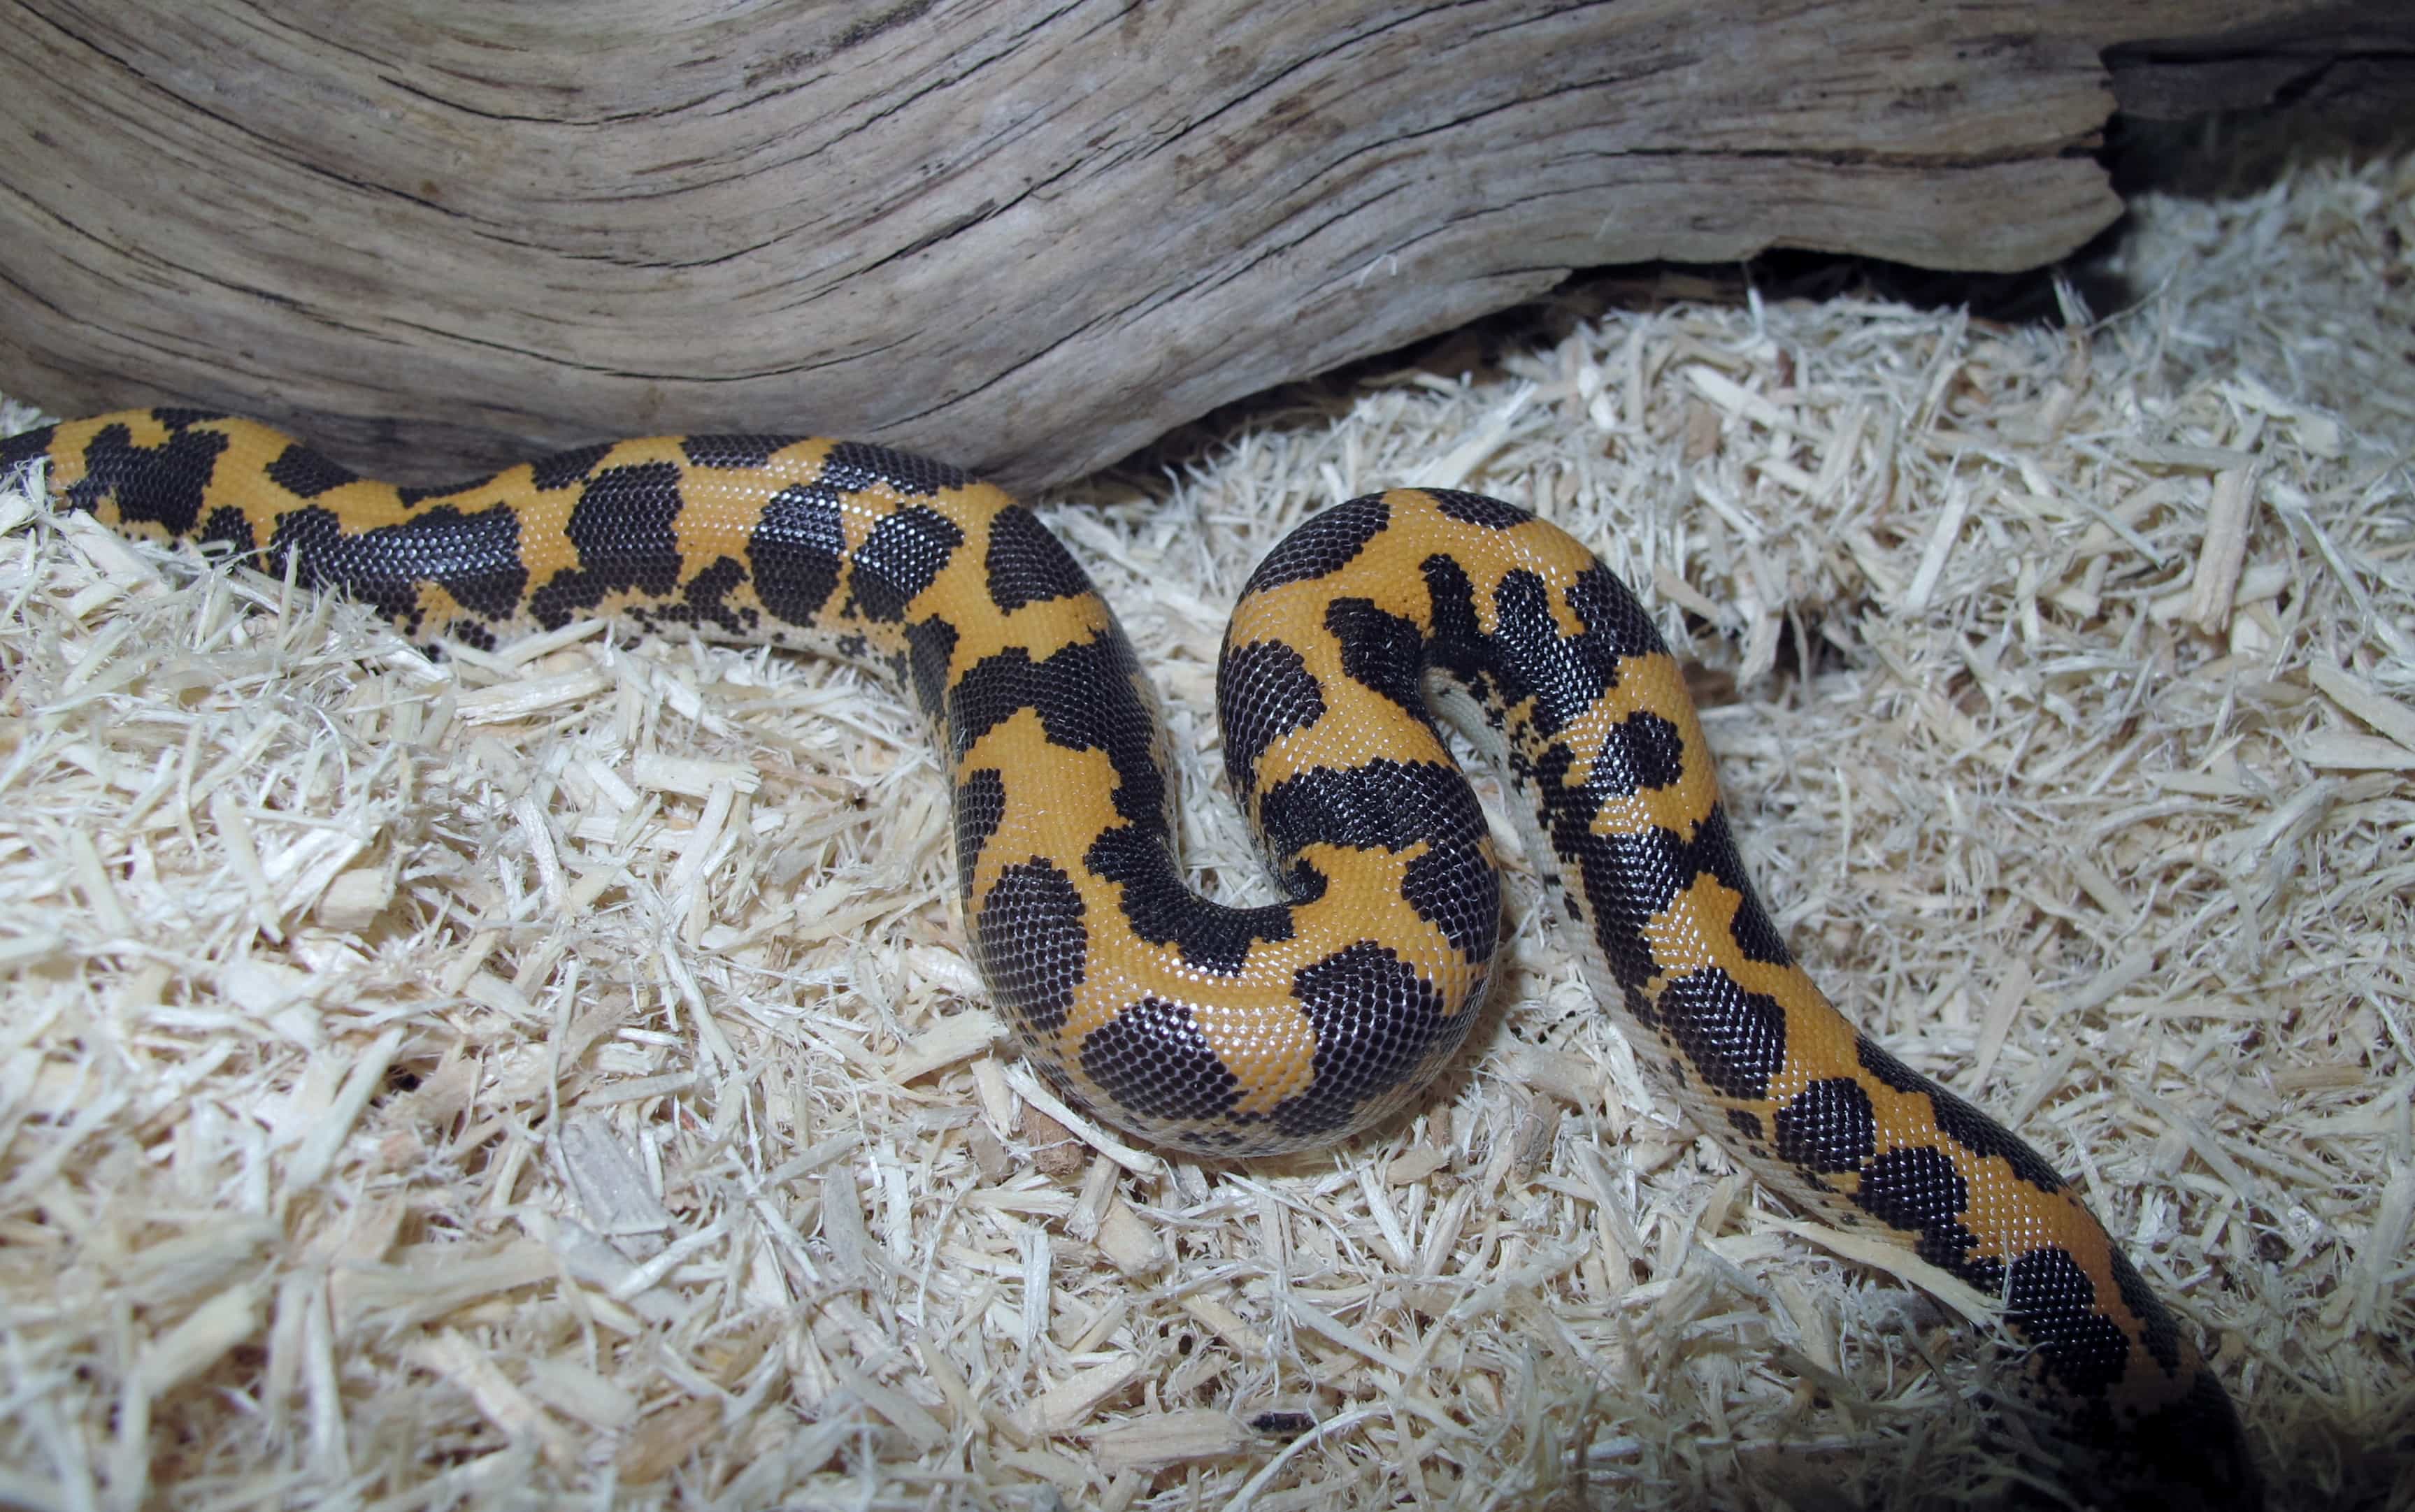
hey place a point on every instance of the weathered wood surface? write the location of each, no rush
(436, 235)
(2361, 51)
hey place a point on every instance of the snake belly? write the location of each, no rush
(1238, 1031)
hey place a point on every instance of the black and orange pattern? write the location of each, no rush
(1238, 1031)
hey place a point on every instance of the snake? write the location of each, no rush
(1236, 1031)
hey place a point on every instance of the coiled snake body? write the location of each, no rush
(1231, 1030)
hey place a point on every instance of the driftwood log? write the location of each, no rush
(434, 234)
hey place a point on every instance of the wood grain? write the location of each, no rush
(437, 234)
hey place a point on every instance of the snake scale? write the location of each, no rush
(1236, 1031)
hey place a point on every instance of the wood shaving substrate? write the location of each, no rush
(553, 1076)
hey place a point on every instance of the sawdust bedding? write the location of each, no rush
(553, 1076)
